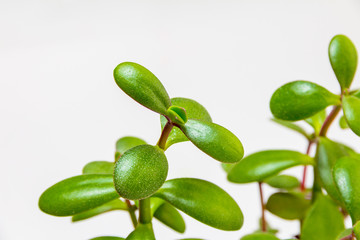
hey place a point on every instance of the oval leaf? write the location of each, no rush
(194, 110)
(143, 86)
(351, 106)
(260, 236)
(300, 100)
(203, 201)
(288, 205)
(99, 167)
(342, 123)
(78, 194)
(214, 140)
(142, 232)
(346, 174)
(126, 143)
(169, 216)
(323, 211)
(261, 165)
(283, 182)
(140, 172)
(343, 59)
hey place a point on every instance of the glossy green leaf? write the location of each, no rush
(126, 143)
(261, 165)
(356, 94)
(323, 220)
(346, 173)
(142, 232)
(344, 233)
(300, 100)
(143, 86)
(292, 126)
(140, 172)
(260, 236)
(356, 229)
(342, 123)
(78, 194)
(343, 59)
(108, 238)
(288, 205)
(116, 204)
(155, 203)
(351, 108)
(316, 121)
(177, 115)
(194, 110)
(214, 140)
(203, 201)
(99, 167)
(169, 216)
(283, 182)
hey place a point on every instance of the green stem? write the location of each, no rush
(164, 135)
(131, 210)
(144, 211)
(330, 118)
(263, 220)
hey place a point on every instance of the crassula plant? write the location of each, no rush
(136, 180)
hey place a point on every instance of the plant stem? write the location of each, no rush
(131, 210)
(305, 167)
(164, 135)
(144, 211)
(330, 118)
(263, 220)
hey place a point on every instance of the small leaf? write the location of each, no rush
(343, 59)
(78, 194)
(356, 229)
(203, 201)
(169, 216)
(300, 100)
(116, 204)
(260, 236)
(126, 143)
(288, 205)
(143, 86)
(283, 182)
(99, 167)
(177, 115)
(292, 126)
(140, 172)
(261, 165)
(155, 203)
(227, 166)
(194, 110)
(351, 106)
(356, 94)
(108, 238)
(342, 123)
(142, 232)
(344, 233)
(322, 221)
(317, 120)
(214, 140)
(346, 173)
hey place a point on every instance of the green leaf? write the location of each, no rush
(99, 167)
(356, 229)
(140, 172)
(288, 205)
(78, 194)
(283, 182)
(261, 165)
(227, 166)
(356, 94)
(343, 59)
(177, 115)
(143, 86)
(108, 238)
(126, 143)
(317, 120)
(322, 221)
(300, 100)
(194, 110)
(142, 232)
(169, 216)
(346, 173)
(342, 123)
(155, 203)
(351, 108)
(203, 201)
(214, 140)
(292, 126)
(260, 236)
(344, 233)
(116, 204)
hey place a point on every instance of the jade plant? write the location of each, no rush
(136, 181)
(335, 191)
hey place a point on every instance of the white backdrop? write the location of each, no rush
(60, 107)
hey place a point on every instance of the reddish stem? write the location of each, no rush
(263, 220)
(302, 187)
(330, 118)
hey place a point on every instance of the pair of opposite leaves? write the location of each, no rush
(302, 99)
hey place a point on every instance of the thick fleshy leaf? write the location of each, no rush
(342, 123)
(261, 165)
(346, 173)
(343, 59)
(292, 126)
(351, 106)
(317, 120)
(108, 238)
(140, 172)
(126, 143)
(214, 140)
(260, 236)
(78, 194)
(203, 201)
(116, 204)
(344, 233)
(177, 115)
(356, 94)
(288, 205)
(99, 167)
(169, 216)
(283, 182)
(300, 100)
(142, 232)
(143, 86)
(194, 110)
(323, 220)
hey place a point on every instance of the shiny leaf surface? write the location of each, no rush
(126, 143)
(351, 108)
(177, 115)
(99, 167)
(169, 216)
(283, 182)
(260, 236)
(142, 232)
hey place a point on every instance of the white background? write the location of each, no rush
(60, 107)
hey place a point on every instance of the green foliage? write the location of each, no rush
(142, 232)
(351, 106)
(169, 216)
(316, 121)
(98, 167)
(283, 182)
(356, 229)
(177, 115)
(260, 236)
(344, 233)
(108, 238)
(292, 126)
(342, 123)
(126, 143)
